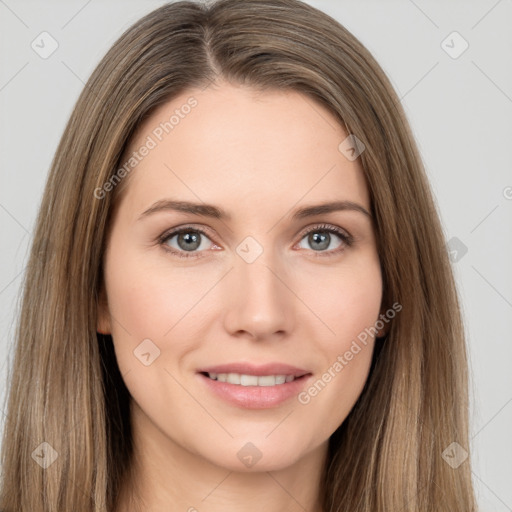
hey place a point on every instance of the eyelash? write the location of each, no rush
(346, 239)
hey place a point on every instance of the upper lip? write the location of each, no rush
(252, 369)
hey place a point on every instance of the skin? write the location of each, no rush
(259, 156)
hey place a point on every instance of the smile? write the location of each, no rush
(251, 380)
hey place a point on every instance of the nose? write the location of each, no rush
(260, 302)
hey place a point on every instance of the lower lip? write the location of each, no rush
(256, 397)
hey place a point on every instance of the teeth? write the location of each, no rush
(251, 380)
(244, 380)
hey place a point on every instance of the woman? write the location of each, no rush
(184, 343)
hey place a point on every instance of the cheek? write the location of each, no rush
(136, 304)
(346, 299)
(154, 301)
(149, 300)
(350, 309)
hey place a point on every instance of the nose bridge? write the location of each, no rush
(260, 302)
(258, 278)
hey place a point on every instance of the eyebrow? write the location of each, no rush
(209, 210)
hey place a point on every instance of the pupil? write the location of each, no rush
(192, 238)
(189, 237)
(317, 238)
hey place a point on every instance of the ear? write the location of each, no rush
(103, 313)
(382, 332)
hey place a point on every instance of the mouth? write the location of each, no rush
(247, 391)
(240, 379)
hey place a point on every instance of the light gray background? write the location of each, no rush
(460, 111)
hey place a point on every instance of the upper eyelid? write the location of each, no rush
(206, 230)
(176, 230)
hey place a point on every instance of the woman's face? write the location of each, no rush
(251, 286)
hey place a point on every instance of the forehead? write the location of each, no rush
(236, 146)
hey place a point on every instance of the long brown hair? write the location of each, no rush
(65, 386)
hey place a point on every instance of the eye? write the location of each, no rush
(319, 237)
(189, 239)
